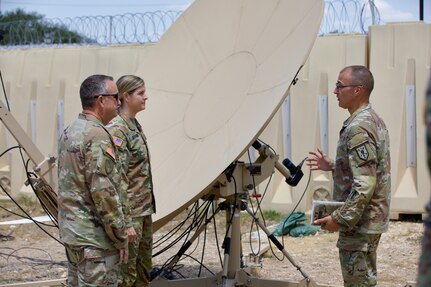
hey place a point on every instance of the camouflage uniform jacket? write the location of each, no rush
(424, 274)
(135, 159)
(428, 123)
(361, 175)
(90, 211)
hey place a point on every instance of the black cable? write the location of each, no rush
(203, 247)
(216, 236)
(252, 175)
(176, 270)
(258, 208)
(4, 92)
(28, 174)
(173, 231)
(9, 149)
(198, 220)
(254, 219)
(35, 260)
(229, 222)
(29, 217)
(191, 257)
(297, 204)
(200, 216)
(25, 217)
(270, 147)
(26, 168)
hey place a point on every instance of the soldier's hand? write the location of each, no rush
(320, 161)
(327, 223)
(124, 255)
(131, 234)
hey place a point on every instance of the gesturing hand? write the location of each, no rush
(320, 161)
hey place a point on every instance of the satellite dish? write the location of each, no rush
(214, 81)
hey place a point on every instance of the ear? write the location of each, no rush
(125, 96)
(98, 101)
(359, 90)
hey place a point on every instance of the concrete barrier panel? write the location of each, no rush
(312, 119)
(400, 57)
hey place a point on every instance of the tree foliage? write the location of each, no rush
(21, 28)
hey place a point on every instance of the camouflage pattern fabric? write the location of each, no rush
(424, 274)
(362, 154)
(92, 267)
(428, 123)
(137, 271)
(359, 266)
(135, 160)
(89, 208)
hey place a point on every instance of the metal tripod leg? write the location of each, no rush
(277, 243)
(232, 246)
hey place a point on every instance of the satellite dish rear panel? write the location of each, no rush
(214, 81)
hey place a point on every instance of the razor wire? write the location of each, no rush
(349, 17)
(340, 17)
(137, 28)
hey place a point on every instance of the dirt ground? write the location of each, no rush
(28, 254)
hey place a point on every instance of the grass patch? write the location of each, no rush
(272, 215)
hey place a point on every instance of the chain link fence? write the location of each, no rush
(341, 16)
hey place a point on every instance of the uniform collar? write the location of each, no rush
(355, 113)
(90, 117)
(131, 123)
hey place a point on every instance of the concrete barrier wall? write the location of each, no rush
(313, 119)
(399, 55)
(43, 89)
(400, 58)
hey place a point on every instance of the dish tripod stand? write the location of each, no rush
(246, 176)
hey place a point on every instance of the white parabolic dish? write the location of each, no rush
(214, 81)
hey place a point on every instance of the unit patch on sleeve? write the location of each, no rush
(362, 152)
(109, 150)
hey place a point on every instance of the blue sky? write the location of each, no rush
(75, 8)
(390, 10)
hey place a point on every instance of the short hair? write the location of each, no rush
(128, 84)
(92, 86)
(361, 75)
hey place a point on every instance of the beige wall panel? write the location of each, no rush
(400, 56)
(317, 78)
(46, 77)
(26, 97)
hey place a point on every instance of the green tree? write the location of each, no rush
(21, 28)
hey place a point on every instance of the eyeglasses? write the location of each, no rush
(339, 86)
(108, 95)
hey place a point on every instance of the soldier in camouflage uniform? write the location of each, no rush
(424, 276)
(362, 179)
(91, 220)
(135, 159)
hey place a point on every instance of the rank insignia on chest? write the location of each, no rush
(362, 152)
(117, 141)
(109, 150)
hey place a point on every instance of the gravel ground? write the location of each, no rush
(28, 254)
